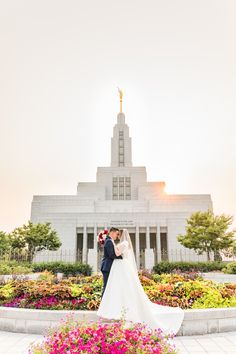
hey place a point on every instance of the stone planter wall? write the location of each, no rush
(220, 277)
(37, 321)
(8, 277)
(203, 321)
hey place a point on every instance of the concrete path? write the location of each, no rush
(16, 343)
(224, 343)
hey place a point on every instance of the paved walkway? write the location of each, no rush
(16, 343)
(225, 343)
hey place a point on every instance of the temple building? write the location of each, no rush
(122, 197)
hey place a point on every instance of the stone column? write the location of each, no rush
(158, 243)
(85, 237)
(147, 237)
(95, 242)
(137, 247)
(149, 254)
(93, 252)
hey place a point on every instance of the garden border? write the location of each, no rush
(197, 321)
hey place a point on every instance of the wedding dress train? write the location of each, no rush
(124, 296)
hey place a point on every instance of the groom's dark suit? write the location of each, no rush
(107, 260)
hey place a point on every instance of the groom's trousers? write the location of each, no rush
(105, 278)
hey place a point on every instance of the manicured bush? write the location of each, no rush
(69, 269)
(169, 267)
(4, 269)
(230, 268)
(14, 268)
(74, 337)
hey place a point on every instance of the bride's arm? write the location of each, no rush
(117, 251)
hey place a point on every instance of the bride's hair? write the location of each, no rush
(125, 236)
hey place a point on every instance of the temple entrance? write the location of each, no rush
(79, 245)
(132, 236)
(164, 248)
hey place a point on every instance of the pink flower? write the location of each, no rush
(73, 338)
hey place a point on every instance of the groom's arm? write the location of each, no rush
(111, 251)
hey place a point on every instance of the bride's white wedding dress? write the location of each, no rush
(124, 296)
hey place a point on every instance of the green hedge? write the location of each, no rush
(70, 269)
(230, 268)
(169, 267)
(13, 267)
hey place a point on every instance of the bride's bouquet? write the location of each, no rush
(102, 236)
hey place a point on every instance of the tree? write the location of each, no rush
(206, 232)
(5, 243)
(34, 238)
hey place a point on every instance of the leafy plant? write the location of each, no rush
(6, 291)
(46, 275)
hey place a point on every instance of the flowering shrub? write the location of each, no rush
(84, 293)
(74, 337)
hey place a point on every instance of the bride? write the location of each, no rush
(124, 296)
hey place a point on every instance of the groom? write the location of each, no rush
(109, 255)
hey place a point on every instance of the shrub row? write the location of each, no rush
(68, 269)
(14, 268)
(230, 268)
(73, 269)
(169, 267)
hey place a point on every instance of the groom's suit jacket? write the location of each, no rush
(109, 255)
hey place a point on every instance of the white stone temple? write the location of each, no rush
(122, 197)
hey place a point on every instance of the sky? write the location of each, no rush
(60, 65)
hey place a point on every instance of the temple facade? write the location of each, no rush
(122, 197)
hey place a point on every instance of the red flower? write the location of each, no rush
(102, 236)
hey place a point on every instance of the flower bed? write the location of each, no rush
(189, 291)
(74, 337)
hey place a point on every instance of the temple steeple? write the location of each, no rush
(121, 155)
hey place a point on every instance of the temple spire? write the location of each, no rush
(121, 98)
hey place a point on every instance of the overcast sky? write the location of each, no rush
(60, 64)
